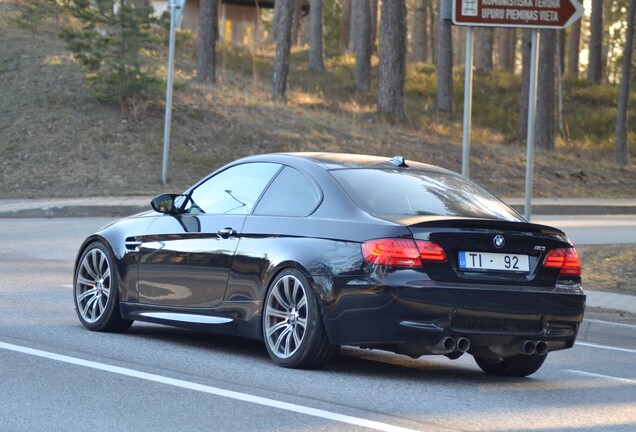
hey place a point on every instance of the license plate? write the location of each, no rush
(484, 261)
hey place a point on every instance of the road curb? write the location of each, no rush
(127, 205)
(75, 211)
(605, 332)
(561, 210)
(575, 206)
(74, 207)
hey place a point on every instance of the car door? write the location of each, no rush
(185, 258)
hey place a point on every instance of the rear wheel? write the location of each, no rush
(292, 326)
(520, 365)
(96, 293)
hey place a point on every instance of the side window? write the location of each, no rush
(291, 194)
(233, 191)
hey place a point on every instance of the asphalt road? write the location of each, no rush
(55, 375)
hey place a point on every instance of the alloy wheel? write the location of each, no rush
(93, 285)
(286, 316)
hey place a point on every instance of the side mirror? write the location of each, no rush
(164, 203)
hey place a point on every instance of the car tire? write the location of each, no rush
(519, 365)
(95, 291)
(293, 330)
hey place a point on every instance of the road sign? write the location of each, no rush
(537, 14)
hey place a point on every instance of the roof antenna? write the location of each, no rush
(398, 161)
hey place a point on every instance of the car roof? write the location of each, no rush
(334, 161)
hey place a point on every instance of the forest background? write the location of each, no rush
(86, 84)
(82, 104)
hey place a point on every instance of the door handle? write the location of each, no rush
(226, 233)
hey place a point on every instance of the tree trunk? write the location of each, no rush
(206, 46)
(622, 151)
(544, 131)
(507, 42)
(432, 19)
(297, 22)
(419, 50)
(392, 67)
(483, 49)
(316, 52)
(444, 65)
(275, 19)
(374, 24)
(526, 47)
(595, 63)
(574, 49)
(283, 49)
(351, 43)
(362, 72)
(345, 24)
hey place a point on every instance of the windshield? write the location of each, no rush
(412, 193)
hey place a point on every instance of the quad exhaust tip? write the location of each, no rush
(449, 344)
(541, 348)
(463, 344)
(530, 347)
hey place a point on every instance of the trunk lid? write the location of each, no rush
(489, 251)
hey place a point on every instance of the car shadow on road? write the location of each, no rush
(350, 361)
(356, 361)
(193, 339)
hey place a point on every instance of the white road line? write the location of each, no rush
(587, 344)
(623, 380)
(370, 424)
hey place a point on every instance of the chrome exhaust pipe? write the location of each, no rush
(541, 348)
(527, 347)
(444, 345)
(463, 344)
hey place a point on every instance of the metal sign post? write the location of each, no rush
(544, 14)
(532, 108)
(176, 8)
(468, 102)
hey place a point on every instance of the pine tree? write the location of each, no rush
(444, 61)
(111, 40)
(392, 67)
(206, 46)
(622, 144)
(316, 51)
(362, 70)
(283, 49)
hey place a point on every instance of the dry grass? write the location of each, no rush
(56, 141)
(609, 268)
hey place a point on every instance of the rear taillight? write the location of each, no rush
(401, 252)
(565, 259)
(430, 251)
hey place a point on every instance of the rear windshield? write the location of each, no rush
(404, 192)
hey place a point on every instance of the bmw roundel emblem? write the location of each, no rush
(498, 241)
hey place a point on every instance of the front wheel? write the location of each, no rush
(95, 291)
(519, 365)
(292, 326)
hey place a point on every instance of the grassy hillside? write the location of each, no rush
(55, 140)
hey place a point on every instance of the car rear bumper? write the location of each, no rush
(378, 315)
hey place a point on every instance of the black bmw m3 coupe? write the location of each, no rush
(311, 251)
